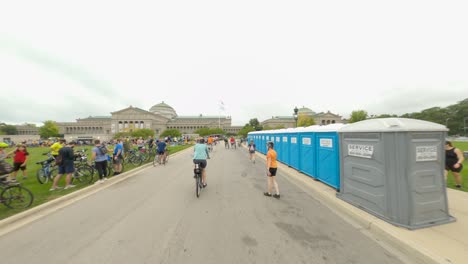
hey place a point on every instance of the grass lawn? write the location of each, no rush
(41, 191)
(463, 146)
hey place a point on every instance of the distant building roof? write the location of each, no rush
(164, 110)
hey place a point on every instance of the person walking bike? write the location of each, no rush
(453, 162)
(272, 167)
(65, 164)
(200, 156)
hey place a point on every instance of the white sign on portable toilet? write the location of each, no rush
(326, 143)
(362, 151)
(426, 153)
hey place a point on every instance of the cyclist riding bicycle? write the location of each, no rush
(200, 156)
(233, 142)
(161, 150)
(210, 142)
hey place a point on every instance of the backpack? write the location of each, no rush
(103, 149)
(5, 167)
(59, 160)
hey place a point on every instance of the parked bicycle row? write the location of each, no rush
(80, 167)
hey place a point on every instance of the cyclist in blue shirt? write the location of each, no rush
(161, 150)
(200, 156)
(118, 157)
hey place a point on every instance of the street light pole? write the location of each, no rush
(446, 121)
(295, 114)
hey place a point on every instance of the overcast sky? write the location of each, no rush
(63, 61)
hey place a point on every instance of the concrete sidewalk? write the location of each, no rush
(446, 243)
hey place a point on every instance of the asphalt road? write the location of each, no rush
(155, 217)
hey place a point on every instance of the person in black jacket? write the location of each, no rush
(65, 166)
(454, 162)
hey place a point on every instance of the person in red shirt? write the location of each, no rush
(19, 161)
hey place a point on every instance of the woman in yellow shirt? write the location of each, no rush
(272, 167)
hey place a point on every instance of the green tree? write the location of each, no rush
(358, 115)
(245, 130)
(205, 131)
(49, 129)
(8, 130)
(144, 133)
(122, 135)
(171, 133)
(304, 120)
(255, 124)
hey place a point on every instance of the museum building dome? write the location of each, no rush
(306, 111)
(164, 110)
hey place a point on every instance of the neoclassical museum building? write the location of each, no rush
(159, 118)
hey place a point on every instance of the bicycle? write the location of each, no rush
(13, 195)
(84, 173)
(233, 145)
(157, 160)
(134, 157)
(198, 179)
(46, 173)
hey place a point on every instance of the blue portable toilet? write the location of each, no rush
(280, 145)
(307, 162)
(328, 154)
(307, 158)
(262, 142)
(294, 150)
(267, 138)
(286, 142)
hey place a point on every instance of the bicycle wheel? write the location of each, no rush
(83, 174)
(136, 160)
(41, 176)
(197, 185)
(156, 160)
(16, 197)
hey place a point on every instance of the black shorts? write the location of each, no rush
(161, 152)
(272, 172)
(202, 163)
(451, 168)
(17, 166)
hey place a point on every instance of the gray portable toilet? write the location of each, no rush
(394, 169)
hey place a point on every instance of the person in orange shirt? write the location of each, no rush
(272, 167)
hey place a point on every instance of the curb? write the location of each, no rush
(379, 229)
(35, 213)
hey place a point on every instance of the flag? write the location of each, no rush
(221, 105)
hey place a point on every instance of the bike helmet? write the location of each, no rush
(3, 145)
(270, 144)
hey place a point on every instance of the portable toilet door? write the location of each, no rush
(294, 150)
(262, 141)
(287, 146)
(278, 147)
(307, 160)
(328, 155)
(284, 154)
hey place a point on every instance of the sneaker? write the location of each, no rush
(277, 196)
(69, 186)
(24, 177)
(204, 185)
(105, 178)
(458, 186)
(267, 194)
